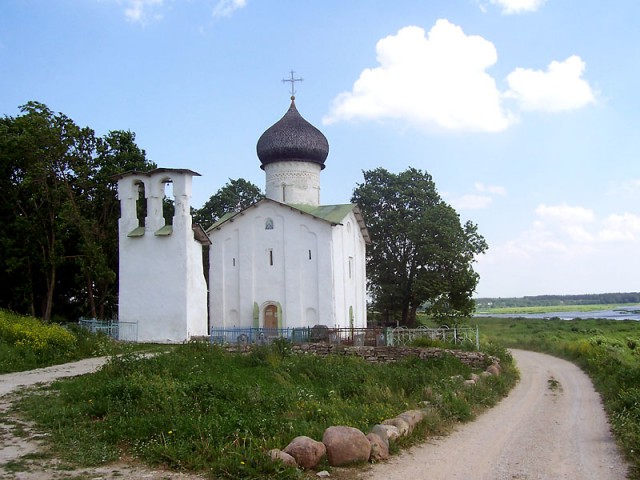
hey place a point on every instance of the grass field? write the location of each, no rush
(199, 408)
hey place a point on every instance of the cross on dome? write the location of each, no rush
(292, 80)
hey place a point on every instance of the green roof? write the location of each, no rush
(330, 213)
(333, 214)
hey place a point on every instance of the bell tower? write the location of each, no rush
(162, 290)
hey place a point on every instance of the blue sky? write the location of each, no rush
(525, 112)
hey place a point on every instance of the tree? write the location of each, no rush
(420, 252)
(234, 196)
(59, 211)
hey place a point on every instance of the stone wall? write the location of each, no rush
(393, 354)
(385, 354)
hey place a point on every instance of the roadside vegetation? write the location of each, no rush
(607, 350)
(200, 408)
(27, 343)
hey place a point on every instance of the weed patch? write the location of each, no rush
(201, 409)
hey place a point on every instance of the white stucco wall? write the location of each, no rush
(293, 182)
(162, 287)
(349, 254)
(309, 278)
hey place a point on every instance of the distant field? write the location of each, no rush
(555, 308)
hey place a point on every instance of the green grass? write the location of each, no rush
(201, 409)
(608, 350)
(27, 343)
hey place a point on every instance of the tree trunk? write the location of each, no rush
(92, 302)
(51, 283)
(412, 315)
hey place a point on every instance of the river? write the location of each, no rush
(620, 313)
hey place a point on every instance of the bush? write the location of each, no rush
(27, 343)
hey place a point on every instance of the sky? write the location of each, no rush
(526, 113)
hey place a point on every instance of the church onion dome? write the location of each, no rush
(292, 138)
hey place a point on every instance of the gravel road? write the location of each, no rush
(551, 426)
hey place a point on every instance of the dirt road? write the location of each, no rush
(551, 426)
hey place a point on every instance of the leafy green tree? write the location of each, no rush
(59, 212)
(234, 196)
(420, 253)
(43, 151)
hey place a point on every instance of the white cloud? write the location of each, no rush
(559, 88)
(225, 8)
(518, 6)
(627, 188)
(142, 11)
(438, 79)
(567, 249)
(492, 189)
(471, 202)
(482, 198)
(564, 213)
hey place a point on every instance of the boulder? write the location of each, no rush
(493, 370)
(280, 456)
(345, 445)
(381, 431)
(379, 448)
(400, 424)
(307, 452)
(412, 417)
(392, 431)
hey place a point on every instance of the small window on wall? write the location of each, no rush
(234, 262)
(268, 224)
(309, 254)
(350, 267)
(270, 255)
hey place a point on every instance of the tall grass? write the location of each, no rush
(27, 343)
(608, 350)
(200, 408)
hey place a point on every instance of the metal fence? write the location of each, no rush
(317, 334)
(400, 336)
(126, 331)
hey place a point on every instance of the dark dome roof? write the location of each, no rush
(292, 138)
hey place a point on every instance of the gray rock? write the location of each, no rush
(392, 431)
(381, 431)
(345, 445)
(412, 417)
(379, 448)
(400, 424)
(280, 456)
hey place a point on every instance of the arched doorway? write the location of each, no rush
(271, 316)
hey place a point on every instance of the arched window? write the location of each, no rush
(268, 224)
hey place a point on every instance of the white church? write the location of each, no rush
(285, 262)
